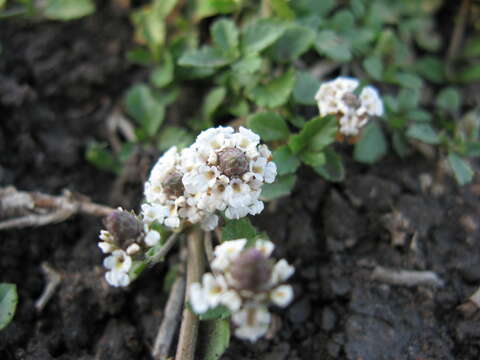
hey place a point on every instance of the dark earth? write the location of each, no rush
(58, 84)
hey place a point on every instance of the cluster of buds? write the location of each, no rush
(223, 170)
(124, 239)
(245, 280)
(352, 108)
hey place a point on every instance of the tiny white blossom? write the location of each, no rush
(232, 300)
(282, 295)
(198, 300)
(226, 252)
(152, 238)
(133, 249)
(252, 323)
(214, 288)
(117, 279)
(105, 236)
(119, 263)
(106, 247)
(282, 271)
(266, 247)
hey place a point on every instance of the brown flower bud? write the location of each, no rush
(123, 226)
(173, 185)
(351, 100)
(233, 162)
(251, 270)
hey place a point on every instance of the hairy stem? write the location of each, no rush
(172, 239)
(195, 267)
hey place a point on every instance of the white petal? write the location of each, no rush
(152, 238)
(282, 271)
(106, 247)
(282, 295)
(198, 299)
(133, 249)
(232, 300)
(265, 247)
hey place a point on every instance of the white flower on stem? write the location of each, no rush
(106, 247)
(226, 252)
(198, 299)
(105, 236)
(133, 249)
(231, 300)
(252, 322)
(152, 238)
(282, 295)
(119, 263)
(282, 271)
(214, 287)
(266, 247)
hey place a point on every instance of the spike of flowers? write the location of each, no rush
(338, 97)
(246, 281)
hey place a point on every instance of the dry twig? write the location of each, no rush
(169, 324)
(406, 277)
(53, 280)
(37, 209)
(189, 328)
(172, 239)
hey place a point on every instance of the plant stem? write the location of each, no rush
(172, 239)
(195, 267)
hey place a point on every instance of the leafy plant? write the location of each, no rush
(8, 303)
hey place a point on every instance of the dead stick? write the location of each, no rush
(406, 277)
(169, 324)
(53, 280)
(189, 328)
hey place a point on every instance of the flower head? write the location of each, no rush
(245, 281)
(119, 263)
(338, 97)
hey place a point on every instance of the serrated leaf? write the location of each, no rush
(260, 34)
(68, 9)
(275, 92)
(286, 161)
(423, 132)
(461, 168)
(269, 125)
(295, 41)
(206, 56)
(212, 101)
(174, 136)
(141, 105)
(225, 36)
(449, 100)
(306, 86)
(8, 303)
(282, 186)
(332, 169)
(238, 229)
(374, 67)
(372, 145)
(215, 339)
(316, 134)
(162, 74)
(332, 45)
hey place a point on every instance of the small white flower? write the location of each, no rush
(119, 261)
(282, 295)
(105, 236)
(198, 299)
(117, 279)
(214, 288)
(232, 300)
(106, 247)
(252, 322)
(226, 252)
(209, 223)
(152, 238)
(133, 249)
(265, 247)
(282, 271)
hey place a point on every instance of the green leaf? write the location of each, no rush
(472, 149)
(206, 56)
(141, 105)
(470, 74)
(8, 303)
(282, 186)
(98, 155)
(174, 136)
(461, 168)
(206, 8)
(408, 99)
(449, 100)
(305, 88)
(372, 145)
(472, 47)
(332, 45)
(238, 229)
(423, 132)
(275, 92)
(374, 67)
(431, 68)
(332, 169)
(260, 34)
(313, 158)
(2, 3)
(295, 41)
(318, 133)
(68, 9)
(269, 125)
(225, 36)
(407, 80)
(307, 7)
(282, 9)
(163, 8)
(140, 56)
(212, 102)
(215, 339)
(162, 74)
(217, 313)
(151, 29)
(400, 144)
(286, 162)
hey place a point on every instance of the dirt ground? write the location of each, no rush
(58, 83)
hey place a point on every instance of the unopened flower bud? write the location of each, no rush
(251, 270)
(123, 226)
(233, 162)
(133, 249)
(351, 100)
(172, 184)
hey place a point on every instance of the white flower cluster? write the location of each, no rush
(337, 97)
(245, 281)
(223, 170)
(125, 240)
